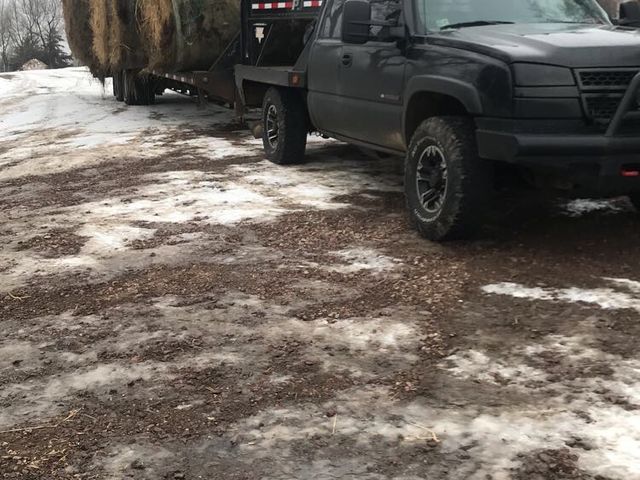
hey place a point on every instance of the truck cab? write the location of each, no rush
(462, 89)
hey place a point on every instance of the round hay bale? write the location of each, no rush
(99, 20)
(187, 34)
(125, 43)
(79, 33)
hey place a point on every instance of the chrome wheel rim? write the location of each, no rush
(432, 179)
(272, 128)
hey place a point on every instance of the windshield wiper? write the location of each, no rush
(477, 23)
(557, 20)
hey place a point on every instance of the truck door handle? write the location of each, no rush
(347, 59)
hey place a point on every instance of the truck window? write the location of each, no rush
(435, 15)
(384, 11)
(332, 27)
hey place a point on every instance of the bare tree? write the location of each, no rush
(47, 27)
(31, 29)
(44, 18)
(5, 40)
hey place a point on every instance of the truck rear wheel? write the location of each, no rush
(285, 131)
(447, 185)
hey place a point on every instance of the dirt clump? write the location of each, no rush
(57, 242)
(560, 464)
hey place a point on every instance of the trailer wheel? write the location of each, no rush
(146, 90)
(447, 184)
(285, 129)
(118, 86)
(138, 89)
(129, 89)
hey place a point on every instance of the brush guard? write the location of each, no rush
(625, 110)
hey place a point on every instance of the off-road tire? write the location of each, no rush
(291, 123)
(460, 206)
(138, 89)
(118, 86)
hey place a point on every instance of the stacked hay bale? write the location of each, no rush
(125, 41)
(99, 23)
(77, 15)
(169, 35)
(187, 34)
(117, 41)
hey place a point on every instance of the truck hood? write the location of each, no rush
(577, 46)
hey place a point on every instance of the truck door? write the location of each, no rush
(372, 79)
(324, 85)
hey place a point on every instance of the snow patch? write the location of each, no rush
(59, 120)
(580, 207)
(18, 355)
(606, 298)
(571, 407)
(472, 363)
(45, 397)
(364, 259)
(117, 464)
(110, 238)
(179, 196)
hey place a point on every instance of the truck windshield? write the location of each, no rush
(436, 15)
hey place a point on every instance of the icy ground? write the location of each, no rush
(173, 306)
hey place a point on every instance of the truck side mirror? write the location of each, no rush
(630, 13)
(356, 22)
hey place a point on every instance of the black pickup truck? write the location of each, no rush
(463, 89)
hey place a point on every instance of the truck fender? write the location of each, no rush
(463, 92)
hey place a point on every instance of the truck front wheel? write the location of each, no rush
(447, 184)
(285, 130)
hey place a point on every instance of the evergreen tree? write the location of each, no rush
(56, 56)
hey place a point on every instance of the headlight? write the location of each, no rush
(535, 75)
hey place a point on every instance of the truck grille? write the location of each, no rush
(601, 107)
(610, 79)
(602, 90)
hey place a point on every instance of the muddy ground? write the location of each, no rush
(174, 307)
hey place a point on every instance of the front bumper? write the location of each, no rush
(596, 163)
(556, 148)
(605, 159)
